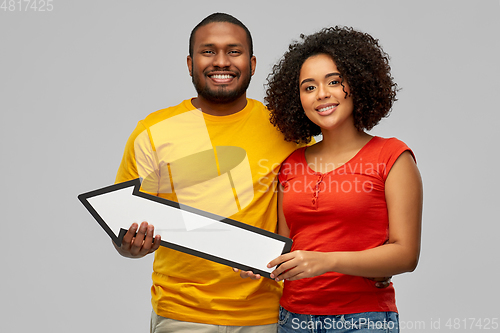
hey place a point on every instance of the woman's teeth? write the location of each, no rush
(326, 108)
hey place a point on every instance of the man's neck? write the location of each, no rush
(219, 109)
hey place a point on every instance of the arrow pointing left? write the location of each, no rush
(185, 228)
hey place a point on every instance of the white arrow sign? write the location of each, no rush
(185, 228)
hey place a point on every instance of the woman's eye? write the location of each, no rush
(334, 82)
(309, 88)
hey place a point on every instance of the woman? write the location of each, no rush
(352, 203)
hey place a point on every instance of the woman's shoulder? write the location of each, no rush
(289, 165)
(388, 150)
(388, 143)
(296, 155)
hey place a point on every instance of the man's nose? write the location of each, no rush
(221, 59)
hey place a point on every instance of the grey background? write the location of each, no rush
(75, 81)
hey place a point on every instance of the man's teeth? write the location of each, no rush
(221, 77)
(327, 108)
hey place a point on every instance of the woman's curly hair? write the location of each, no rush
(363, 65)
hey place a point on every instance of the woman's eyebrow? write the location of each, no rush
(305, 81)
(332, 74)
(326, 76)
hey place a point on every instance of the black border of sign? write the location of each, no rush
(137, 184)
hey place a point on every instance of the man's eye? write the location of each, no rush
(234, 52)
(208, 52)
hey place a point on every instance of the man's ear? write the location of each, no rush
(253, 63)
(190, 65)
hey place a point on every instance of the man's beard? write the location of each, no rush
(221, 95)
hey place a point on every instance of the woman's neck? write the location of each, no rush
(343, 140)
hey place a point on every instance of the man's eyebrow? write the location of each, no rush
(326, 76)
(229, 45)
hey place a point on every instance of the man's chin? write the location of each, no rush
(221, 97)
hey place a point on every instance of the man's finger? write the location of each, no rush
(129, 236)
(156, 244)
(148, 240)
(138, 240)
(382, 284)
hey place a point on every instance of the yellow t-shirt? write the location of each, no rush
(226, 165)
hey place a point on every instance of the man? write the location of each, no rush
(186, 155)
(219, 153)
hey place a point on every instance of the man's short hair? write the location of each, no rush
(220, 17)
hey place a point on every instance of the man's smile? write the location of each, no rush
(222, 77)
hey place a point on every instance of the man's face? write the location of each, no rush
(221, 65)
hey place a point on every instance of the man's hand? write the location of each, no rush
(247, 274)
(140, 244)
(382, 282)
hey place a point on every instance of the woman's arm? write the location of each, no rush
(404, 196)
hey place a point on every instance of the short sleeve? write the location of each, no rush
(138, 160)
(390, 152)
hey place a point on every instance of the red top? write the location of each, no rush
(341, 210)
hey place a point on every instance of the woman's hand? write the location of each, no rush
(300, 264)
(304, 264)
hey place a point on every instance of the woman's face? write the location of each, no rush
(322, 96)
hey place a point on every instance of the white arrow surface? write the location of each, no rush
(186, 229)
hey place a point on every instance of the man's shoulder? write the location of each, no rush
(163, 114)
(256, 104)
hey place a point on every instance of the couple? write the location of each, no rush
(351, 202)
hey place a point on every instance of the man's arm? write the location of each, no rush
(138, 161)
